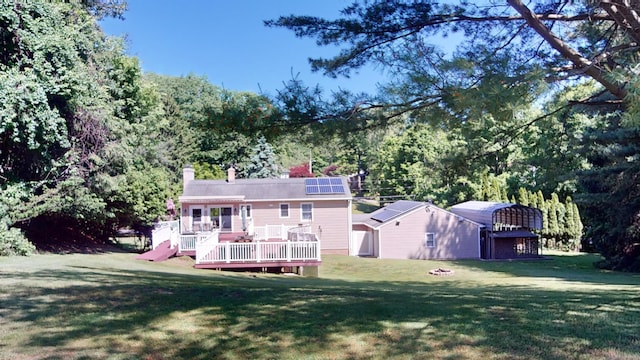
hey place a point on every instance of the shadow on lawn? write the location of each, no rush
(159, 315)
(577, 267)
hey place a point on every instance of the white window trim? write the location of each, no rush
(250, 210)
(427, 241)
(302, 211)
(280, 211)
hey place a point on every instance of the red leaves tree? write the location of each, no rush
(299, 171)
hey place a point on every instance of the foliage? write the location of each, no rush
(205, 171)
(262, 163)
(612, 196)
(562, 223)
(78, 121)
(300, 171)
(141, 198)
(13, 242)
(480, 90)
(420, 163)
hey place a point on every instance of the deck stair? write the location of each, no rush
(161, 253)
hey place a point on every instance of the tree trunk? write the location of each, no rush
(585, 65)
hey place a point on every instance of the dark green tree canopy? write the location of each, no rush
(545, 36)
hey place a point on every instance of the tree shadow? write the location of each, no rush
(575, 268)
(154, 314)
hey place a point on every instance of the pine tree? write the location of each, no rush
(545, 214)
(570, 226)
(533, 199)
(485, 185)
(577, 222)
(523, 197)
(554, 228)
(263, 161)
(495, 193)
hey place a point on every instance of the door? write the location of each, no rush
(362, 243)
(196, 218)
(225, 218)
(221, 218)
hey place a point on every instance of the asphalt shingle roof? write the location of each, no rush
(259, 189)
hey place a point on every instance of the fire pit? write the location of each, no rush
(441, 272)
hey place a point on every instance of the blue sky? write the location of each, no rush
(227, 42)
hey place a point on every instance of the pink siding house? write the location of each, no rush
(415, 230)
(239, 207)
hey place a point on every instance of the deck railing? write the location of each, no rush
(190, 242)
(301, 233)
(298, 244)
(209, 252)
(163, 231)
(271, 232)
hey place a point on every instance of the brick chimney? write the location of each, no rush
(231, 175)
(188, 174)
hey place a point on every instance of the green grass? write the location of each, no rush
(110, 306)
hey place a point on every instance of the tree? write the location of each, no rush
(380, 30)
(507, 56)
(78, 122)
(263, 161)
(299, 171)
(418, 163)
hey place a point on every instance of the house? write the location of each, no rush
(283, 224)
(470, 230)
(415, 230)
(244, 207)
(507, 231)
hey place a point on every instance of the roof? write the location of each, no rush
(388, 213)
(394, 211)
(258, 190)
(507, 213)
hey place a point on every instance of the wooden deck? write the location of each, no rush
(240, 254)
(259, 265)
(265, 249)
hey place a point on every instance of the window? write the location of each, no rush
(430, 240)
(284, 210)
(247, 210)
(306, 211)
(196, 214)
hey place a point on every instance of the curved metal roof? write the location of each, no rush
(491, 213)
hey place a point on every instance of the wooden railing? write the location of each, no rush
(209, 252)
(163, 231)
(301, 233)
(190, 242)
(270, 232)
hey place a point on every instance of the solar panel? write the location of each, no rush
(324, 186)
(385, 215)
(397, 208)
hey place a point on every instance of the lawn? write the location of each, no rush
(110, 306)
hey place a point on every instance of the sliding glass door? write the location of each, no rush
(221, 218)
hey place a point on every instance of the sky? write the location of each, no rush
(227, 42)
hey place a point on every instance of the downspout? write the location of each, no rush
(350, 227)
(379, 244)
(479, 243)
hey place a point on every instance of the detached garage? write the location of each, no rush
(415, 230)
(507, 232)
